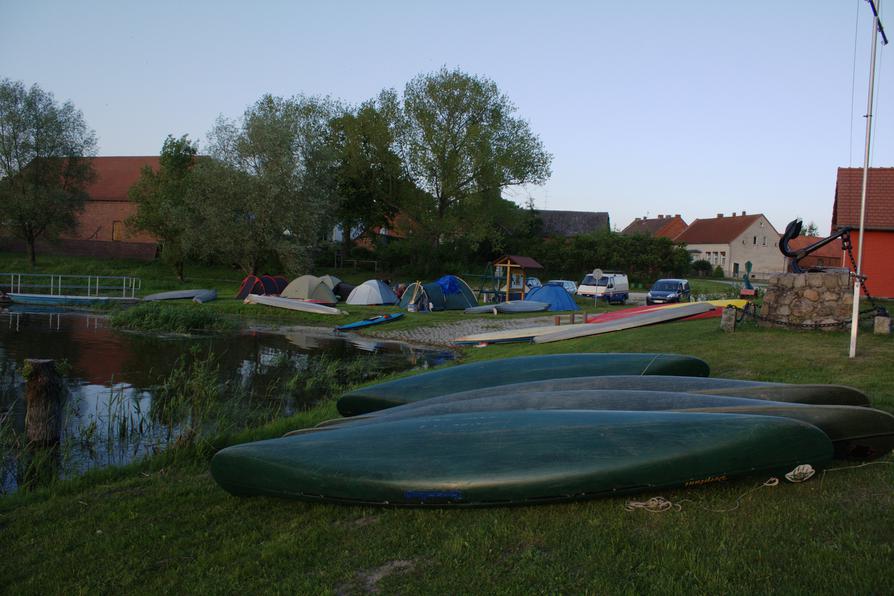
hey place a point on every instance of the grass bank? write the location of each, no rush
(163, 525)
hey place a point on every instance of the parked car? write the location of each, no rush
(669, 290)
(569, 285)
(610, 286)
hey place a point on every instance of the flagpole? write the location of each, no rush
(855, 313)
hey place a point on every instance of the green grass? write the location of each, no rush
(164, 526)
(170, 317)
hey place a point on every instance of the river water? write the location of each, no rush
(113, 413)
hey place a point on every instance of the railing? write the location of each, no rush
(342, 262)
(70, 285)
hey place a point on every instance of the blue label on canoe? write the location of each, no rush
(433, 495)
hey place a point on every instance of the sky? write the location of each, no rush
(651, 107)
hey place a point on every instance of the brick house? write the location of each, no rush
(878, 232)
(101, 229)
(663, 226)
(730, 242)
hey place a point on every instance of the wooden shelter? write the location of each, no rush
(514, 267)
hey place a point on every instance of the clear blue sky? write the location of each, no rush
(648, 107)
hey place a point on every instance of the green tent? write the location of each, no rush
(448, 293)
(309, 287)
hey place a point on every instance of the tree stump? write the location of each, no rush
(44, 394)
(728, 320)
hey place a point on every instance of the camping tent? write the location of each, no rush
(372, 291)
(555, 295)
(448, 293)
(331, 281)
(251, 284)
(309, 287)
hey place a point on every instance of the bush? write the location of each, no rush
(701, 267)
(718, 272)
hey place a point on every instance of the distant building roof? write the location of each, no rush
(115, 176)
(830, 251)
(668, 226)
(573, 223)
(879, 198)
(717, 230)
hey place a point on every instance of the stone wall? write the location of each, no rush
(809, 298)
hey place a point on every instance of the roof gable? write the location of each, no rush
(656, 226)
(717, 230)
(879, 198)
(115, 176)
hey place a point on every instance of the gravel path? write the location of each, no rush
(444, 333)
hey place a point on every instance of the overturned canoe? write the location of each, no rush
(856, 432)
(293, 304)
(831, 395)
(517, 457)
(493, 373)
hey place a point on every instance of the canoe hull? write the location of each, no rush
(493, 373)
(513, 458)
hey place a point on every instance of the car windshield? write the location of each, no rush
(665, 286)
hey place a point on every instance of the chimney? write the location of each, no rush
(743, 213)
(719, 215)
(676, 215)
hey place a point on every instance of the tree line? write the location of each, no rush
(266, 190)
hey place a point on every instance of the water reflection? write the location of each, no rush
(117, 409)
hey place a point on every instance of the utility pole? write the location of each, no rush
(855, 313)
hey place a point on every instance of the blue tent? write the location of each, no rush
(554, 295)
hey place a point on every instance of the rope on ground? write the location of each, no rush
(854, 467)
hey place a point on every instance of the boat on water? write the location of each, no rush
(67, 300)
(518, 457)
(370, 321)
(293, 304)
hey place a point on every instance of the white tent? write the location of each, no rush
(372, 291)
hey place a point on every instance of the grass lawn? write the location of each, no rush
(164, 526)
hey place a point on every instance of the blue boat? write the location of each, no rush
(370, 321)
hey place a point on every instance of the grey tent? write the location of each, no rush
(309, 287)
(331, 281)
(372, 291)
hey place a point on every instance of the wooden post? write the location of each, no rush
(728, 320)
(44, 393)
(557, 320)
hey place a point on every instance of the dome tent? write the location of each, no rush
(447, 293)
(309, 287)
(372, 291)
(553, 294)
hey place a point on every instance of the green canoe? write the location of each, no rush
(839, 395)
(855, 432)
(493, 373)
(518, 457)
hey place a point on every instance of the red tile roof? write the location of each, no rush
(655, 226)
(879, 198)
(115, 176)
(829, 251)
(717, 230)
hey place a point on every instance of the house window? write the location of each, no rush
(723, 258)
(755, 241)
(117, 230)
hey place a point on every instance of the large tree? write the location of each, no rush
(262, 194)
(45, 168)
(367, 175)
(463, 144)
(163, 205)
